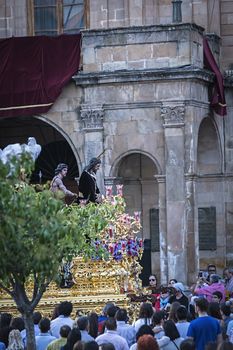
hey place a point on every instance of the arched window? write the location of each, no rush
(54, 17)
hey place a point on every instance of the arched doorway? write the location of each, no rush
(55, 148)
(140, 190)
(208, 149)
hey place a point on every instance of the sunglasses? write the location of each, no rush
(152, 279)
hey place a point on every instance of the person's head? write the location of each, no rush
(201, 305)
(211, 269)
(79, 345)
(144, 329)
(172, 313)
(211, 345)
(62, 169)
(146, 310)
(5, 319)
(158, 318)
(228, 272)
(214, 278)
(225, 310)
(214, 310)
(112, 310)
(15, 340)
(106, 307)
(64, 331)
(91, 345)
(187, 344)
(164, 292)
(94, 165)
(44, 325)
(153, 281)
(111, 324)
(121, 315)
(170, 330)
(217, 297)
(83, 323)
(17, 323)
(172, 282)
(181, 313)
(55, 312)
(73, 337)
(93, 324)
(107, 346)
(147, 342)
(36, 317)
(65, 308)
(178, 288)
(225, 345)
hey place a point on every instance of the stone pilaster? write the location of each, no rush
(191, 219)
(161, 179)
(173, 116)
(92, 126)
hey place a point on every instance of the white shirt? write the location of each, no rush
(140, 322)
(58, 322)
(126, 331)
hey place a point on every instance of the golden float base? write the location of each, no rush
(95, 284)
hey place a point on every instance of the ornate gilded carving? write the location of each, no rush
(173, 115)
(92, 117)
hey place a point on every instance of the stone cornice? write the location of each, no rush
(142, 29)
(214, 177)
(154, 104)
(137, 76)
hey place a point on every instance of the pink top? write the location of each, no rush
(208, 291)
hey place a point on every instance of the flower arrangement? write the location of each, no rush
(119, 238)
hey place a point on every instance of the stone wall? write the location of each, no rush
(227, 33)
(13, 18)
(150, 47)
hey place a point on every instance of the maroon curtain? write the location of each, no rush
(218, 101)
(33, 71)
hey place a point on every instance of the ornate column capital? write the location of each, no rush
(92, 117)
(173, 115)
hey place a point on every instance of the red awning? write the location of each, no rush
(218, 101)
(33, 71)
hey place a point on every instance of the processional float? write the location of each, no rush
(90, 283)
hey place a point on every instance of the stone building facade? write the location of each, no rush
(142, 97)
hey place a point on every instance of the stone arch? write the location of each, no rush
(116, 163)
(209, 155)
(64, 134)
(136, 170)
(51, 137)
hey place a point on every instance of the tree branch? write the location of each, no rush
(6, 290)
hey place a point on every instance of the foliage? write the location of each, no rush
(38, 231)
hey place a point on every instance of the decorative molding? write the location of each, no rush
(173, 115)
(147, 75)
(92, 117)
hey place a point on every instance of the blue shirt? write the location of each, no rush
(203, 330)
(2, 346)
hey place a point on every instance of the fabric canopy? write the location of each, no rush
(218, 101)
(33, 71)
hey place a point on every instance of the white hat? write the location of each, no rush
(179, 286)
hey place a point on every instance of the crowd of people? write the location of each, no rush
(175, 318)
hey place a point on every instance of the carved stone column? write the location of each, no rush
(91, 117)
(173, 116)
(161, 179)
